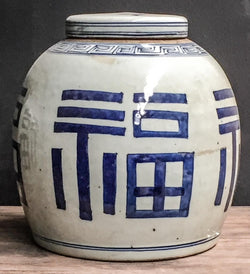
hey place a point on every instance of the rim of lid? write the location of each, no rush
(126, 25)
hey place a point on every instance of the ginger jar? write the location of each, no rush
(126, 141)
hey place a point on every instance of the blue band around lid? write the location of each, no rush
(126, 25)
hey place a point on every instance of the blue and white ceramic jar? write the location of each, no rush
(126, 138)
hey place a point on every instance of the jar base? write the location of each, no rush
(126, 254)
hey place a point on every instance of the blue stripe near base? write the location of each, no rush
(126, 249)
(159, 183)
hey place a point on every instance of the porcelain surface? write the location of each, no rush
(126, 150)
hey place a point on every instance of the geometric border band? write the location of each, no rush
(122, 49)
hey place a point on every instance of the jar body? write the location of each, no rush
(126, 150)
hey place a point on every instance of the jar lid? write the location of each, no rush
(126, 25)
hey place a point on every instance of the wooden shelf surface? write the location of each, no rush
(19, 253)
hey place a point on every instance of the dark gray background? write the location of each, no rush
(29, 27)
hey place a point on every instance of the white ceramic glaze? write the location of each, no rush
(126, 149)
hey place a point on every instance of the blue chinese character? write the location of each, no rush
(83, 131)
(180, 117)
(229, 127)
(159, 192)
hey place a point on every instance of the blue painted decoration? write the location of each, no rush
(223, 94)
(138, 23)
(83, 131)
(227, 112)
(123, 49)
(125, 29)
(159, 192)
(19, 177)
(93, 113)
(109, 182)
(127, 249)
(109, 34)
(88, 129)
(19, 107)
(225, 128)
(161, 98)
(83, 176)
(222, 176)
(174, 98)
(180, 117)
(92, 95)
(82, 158)
(56, 155)
(17, 147)
(234, 152)
(229, 127)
